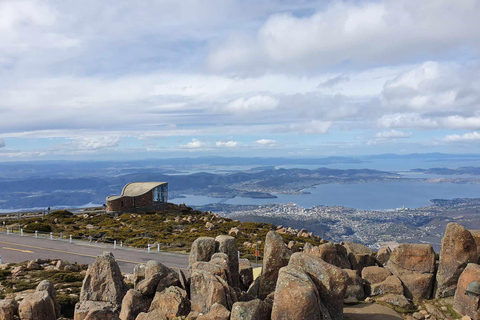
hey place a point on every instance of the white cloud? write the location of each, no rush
(467, 137)
(194, 144)
(265, 142)
(391, 135)
(361, 33)
(311, 127)
(97, 143)
(257, 103)
(228, 144)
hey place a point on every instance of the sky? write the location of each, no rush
(122, 79)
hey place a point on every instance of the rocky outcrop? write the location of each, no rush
(359, 256)
(157, 278)
(228, 245)
(467, 295)
(297, 297)
(333, 253)
(391, 284)
(276, 255)
(208, 285)
(375, 274)
(414, 265)
(173, 302)
(38, 305)
(458, 249)
(8, 309)
(203, 249)
(132, 304)
(251, 310)
(103, 288)
(330, 281)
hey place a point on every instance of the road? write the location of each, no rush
(14, 248)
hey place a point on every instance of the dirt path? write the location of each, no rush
(369, 311)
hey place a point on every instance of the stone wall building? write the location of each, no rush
(140, 196)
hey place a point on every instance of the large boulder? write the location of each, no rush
(104, 281)
(86, 308)
(173, 301)
(47, 286)
(297, 297)
(246, 274)
(331, 281)
(102, 314)
(38, 305)
(359, 256)
(252, 310)
(275, 256)
(8, 309)
(375, 274)
(157, 278)
(208, 285)
(476, 236)
(467, 295)
(391, 284)
(458, 249)
(333, 253)
(228, 245)
(414, 264)
(132, 304)
(203, 249)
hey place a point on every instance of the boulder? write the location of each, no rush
(334, 254)
(383, 255)
(47, 286)
(33, 265)
(138, 274)
(222, 260)
(275, 256)
(246, 273)
(217, 312)
(297, 297)
(208, 286)
(203, 249)
(375, 274)
(132, 304)
(476, 236)
(104, 281)
(467, 295)
(8, 308)
(102, 314)
(414, 264)
(391, 284)
(251, 310)
(156, 314)
(38, 305)
(355, 286)
(173, 301)
(157, 278)
(307, 247)
(359, 256)
(83, 308)
(331, 281)
(228, 245)
(458, 249)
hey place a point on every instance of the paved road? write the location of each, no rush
(14, 248)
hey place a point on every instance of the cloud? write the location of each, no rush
(257, 103)
(391, 135)
(227, 144)
(311, 127)
(467, 137)
(334, 81)
(265, 142)
(194, 144)
(98, 143)
(2, 143)
(359, 33)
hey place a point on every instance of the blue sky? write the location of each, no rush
(143, 79)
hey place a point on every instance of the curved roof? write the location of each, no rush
(135, 189)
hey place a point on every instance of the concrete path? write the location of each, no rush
(369, 311)
(14, 248)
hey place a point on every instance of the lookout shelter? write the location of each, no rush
(140, 196)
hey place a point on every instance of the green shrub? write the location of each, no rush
(38, 226)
